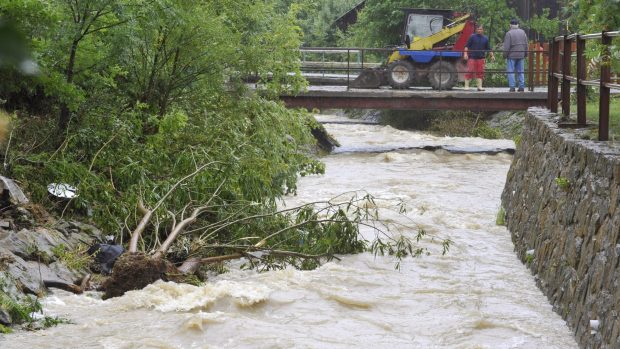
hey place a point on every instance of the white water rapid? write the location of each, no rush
(479, 295)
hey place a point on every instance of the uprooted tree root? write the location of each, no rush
(134, 271)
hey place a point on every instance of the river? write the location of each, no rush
(478, 295)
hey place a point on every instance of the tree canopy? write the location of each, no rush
(143, 106)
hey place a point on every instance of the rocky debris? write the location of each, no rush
(14, 193)
(510, 123)
(5, 317)
(32, 256)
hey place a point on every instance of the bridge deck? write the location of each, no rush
(493, 99)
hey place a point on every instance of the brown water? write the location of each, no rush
(477, 296)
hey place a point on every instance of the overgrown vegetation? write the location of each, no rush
(153, 90)
(380, 23)
(464, 124)
(500, 218)
(142, 106)
(26, 312)
(76, 259)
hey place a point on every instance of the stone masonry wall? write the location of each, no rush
(562, 203)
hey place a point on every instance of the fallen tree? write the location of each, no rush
(302, 237)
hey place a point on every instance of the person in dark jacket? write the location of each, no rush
(515, 51)
(475, 53)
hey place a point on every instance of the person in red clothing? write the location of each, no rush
(479, 45)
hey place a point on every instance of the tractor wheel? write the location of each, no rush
(400, 74)
(443, 75)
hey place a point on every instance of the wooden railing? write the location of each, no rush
(561, 53)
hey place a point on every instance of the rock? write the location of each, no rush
(5, 225)
(16, 195)
(5, 317)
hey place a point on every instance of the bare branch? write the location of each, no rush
(192, 264)
(189, 220)
(179, 228)
(99, 151)
(135, 236)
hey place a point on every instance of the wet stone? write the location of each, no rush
(581, 222)
(5, 317)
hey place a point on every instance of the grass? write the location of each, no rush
(592, 110)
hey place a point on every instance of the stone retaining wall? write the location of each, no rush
(562, 203)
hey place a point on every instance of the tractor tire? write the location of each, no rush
(443, 75)
(400, 74)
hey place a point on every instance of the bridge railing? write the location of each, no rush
(561, 59)
(347, 62)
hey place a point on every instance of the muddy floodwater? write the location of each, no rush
(479, 295)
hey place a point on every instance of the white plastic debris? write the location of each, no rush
(529, 252)
(62, 190)
(594, 325)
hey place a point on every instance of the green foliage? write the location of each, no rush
(155, 91)
(590, 16)
(545, 27)
(562, 182)
(381, 22)
(76, 259)
(4, 329)
(483, 130)
(500, 218)
(22, 312)
(529, 258)
(463, 124)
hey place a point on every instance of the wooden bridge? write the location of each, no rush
(414, 98)
(331, 79)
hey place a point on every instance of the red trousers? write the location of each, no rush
(475, 69)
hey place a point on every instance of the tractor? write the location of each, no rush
(426, 58)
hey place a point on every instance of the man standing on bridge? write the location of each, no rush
(515, 51)
(479, 45)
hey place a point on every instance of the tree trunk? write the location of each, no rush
(65, 114)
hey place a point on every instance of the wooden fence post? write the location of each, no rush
(565, 74)
(603, 118)
(546, 67)
(581, 76)
(552, 89)
(530, 67)
(538, 48)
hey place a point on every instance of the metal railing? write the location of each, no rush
(561, 53)
(352, 60)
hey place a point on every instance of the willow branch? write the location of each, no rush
(191, 265)
(185, 222)
(177, 230)
(99, 151)
(135, 236)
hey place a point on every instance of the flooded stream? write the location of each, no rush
(479, 295)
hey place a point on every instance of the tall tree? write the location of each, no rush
(381, 22)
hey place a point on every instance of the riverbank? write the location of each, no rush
(477, 295)
(562, 204)
(497, 125)
(37, 249)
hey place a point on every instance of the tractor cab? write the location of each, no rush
(422, 23)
